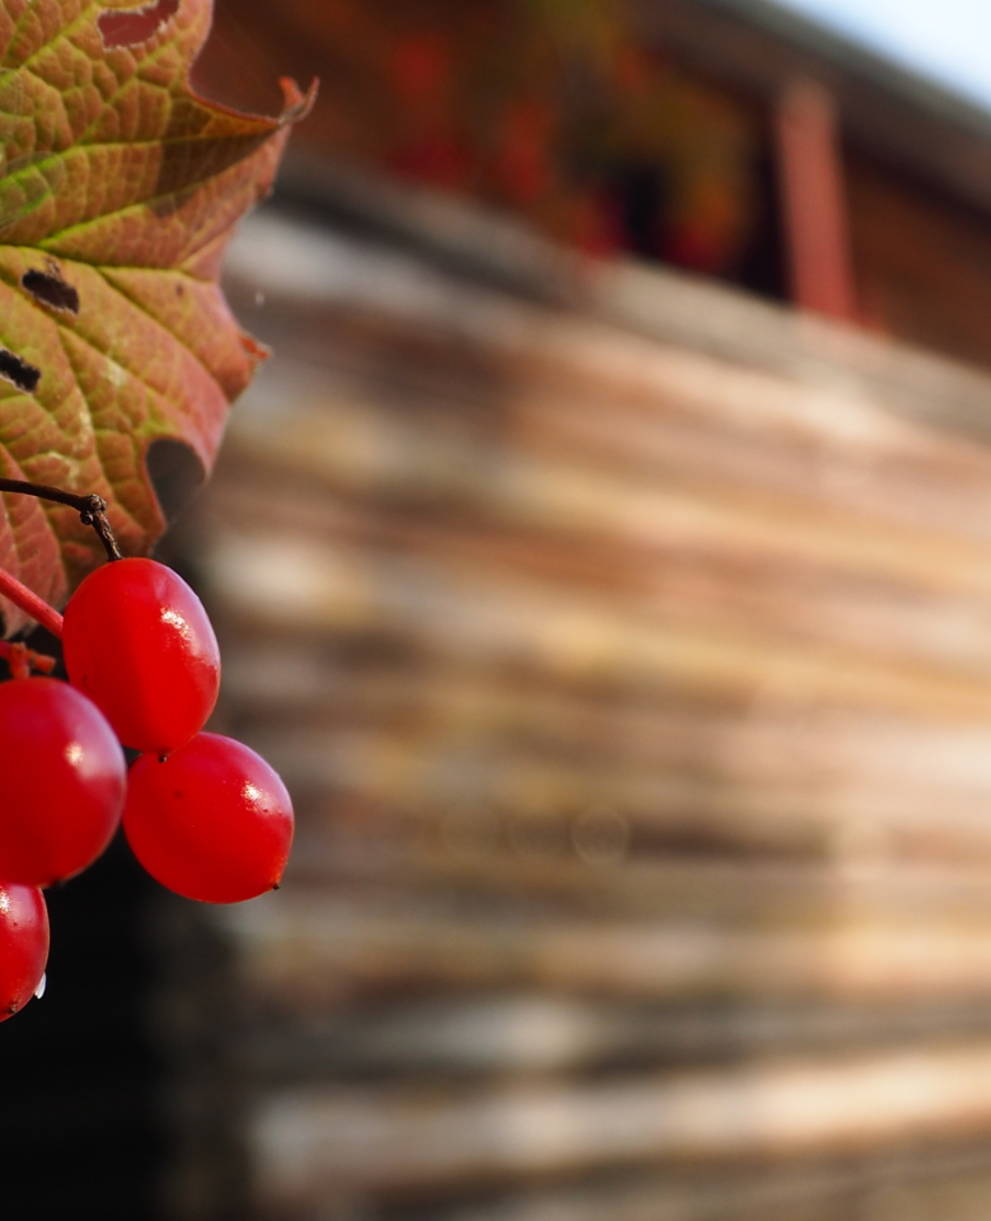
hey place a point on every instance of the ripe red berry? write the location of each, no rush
(212, 821)
(138, 642)
(23, 945)
(62, 781)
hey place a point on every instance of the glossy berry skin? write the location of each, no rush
(212, 821)
(62, 781)
(23, 945)
(138, 642)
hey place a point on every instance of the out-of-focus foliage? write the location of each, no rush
(564, 113)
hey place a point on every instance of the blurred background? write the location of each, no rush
(603, 559)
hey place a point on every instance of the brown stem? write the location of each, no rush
(92, 509)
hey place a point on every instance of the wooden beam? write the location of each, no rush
(812, 197)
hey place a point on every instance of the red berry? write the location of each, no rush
(138, 642)
(62, 781)
(23, 945)
(212, 821)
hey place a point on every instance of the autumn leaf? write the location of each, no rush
(119, 189)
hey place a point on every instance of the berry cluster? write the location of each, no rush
(204, 814)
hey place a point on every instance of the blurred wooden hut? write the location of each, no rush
(624, 637)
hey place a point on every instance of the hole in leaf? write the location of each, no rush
(130, 27)
(48, 288)
(176, 474)
(18, 372)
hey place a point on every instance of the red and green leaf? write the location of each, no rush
(119, 189)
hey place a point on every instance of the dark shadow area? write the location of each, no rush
(80, 1126)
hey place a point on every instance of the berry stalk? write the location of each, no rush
(31, 604)
(92, 509)
(21, 660)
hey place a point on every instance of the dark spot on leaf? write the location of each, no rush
(176, 474)
(18, 372)
(48, 288)
(130, 27)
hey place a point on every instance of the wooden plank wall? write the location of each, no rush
(921, 261)
(631, 665)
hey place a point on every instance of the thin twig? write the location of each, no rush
(92, 509)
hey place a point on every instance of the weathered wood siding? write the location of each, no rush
(922, 262)
(631, 664)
